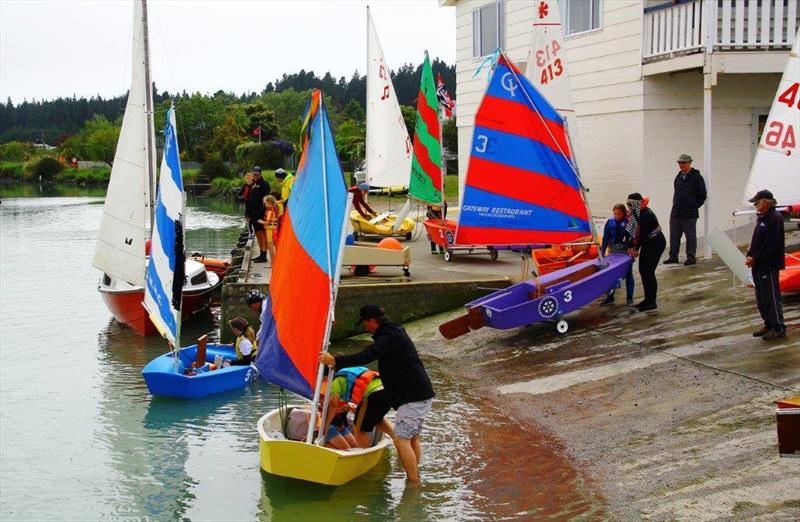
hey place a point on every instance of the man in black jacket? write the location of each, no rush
(690, 194)
(254, 210)
(766, 257)
(404, 378)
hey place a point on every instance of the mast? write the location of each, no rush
(366, 108)
(151, 174)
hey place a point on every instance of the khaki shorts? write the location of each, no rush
(409, 418)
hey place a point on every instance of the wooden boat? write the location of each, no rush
(305, 277)
(524, 188)
(286, 458)
(163, 299)
(121, 251)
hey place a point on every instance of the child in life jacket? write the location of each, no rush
(245, 344)
(270, 222)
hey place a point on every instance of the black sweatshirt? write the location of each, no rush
(690, 194)
(402, 372)
(767, 245)
(648, 222)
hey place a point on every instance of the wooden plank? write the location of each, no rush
(777, 37)
(791, 21)
(686, 27)
(765, 21)
(752, 23)
(697, 19)
(647, 37)
(739, 24)
(675, 21)
(726, 23)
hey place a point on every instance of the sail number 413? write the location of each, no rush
(553, 70)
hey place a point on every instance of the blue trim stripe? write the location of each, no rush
(166, 234)
(522, 153)
(157, 293)
(508, 85)
(487, 210)
(307, 204)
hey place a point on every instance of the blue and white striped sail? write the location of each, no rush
(165, 272)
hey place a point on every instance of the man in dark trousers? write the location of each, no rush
(404, 378)
(254, 210)
(690, 194)
(766, 258)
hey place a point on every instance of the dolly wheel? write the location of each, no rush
(448, 255)
(562, 326)
(408, 236)
(355, 235)
(493, 254)
(406, 272)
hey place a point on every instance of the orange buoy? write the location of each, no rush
(390, 243)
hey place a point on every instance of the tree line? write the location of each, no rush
(214, 125)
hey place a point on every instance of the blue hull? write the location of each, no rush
(164, 377)
(521, 304)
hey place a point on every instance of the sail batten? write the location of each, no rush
(120, 248)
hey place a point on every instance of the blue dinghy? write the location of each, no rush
(166, 375)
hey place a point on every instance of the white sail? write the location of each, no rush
(547, 65)
(120, 249)
(388, 145)
(776, 166)
(162, 296)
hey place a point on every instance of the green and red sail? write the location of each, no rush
(426, 164)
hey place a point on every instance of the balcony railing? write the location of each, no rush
(735, 25)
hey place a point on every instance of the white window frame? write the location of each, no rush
(500, 11)
(596, 4)
(758, 113)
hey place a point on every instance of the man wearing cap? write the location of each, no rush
(404, 379)
(766, 258)
(690, 194)
(287, 180)
(254, 210)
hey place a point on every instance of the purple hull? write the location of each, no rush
(525, 303)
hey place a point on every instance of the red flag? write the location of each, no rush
(447, 104)
(257, 131)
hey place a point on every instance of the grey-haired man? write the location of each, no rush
(689, 196)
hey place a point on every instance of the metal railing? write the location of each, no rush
(674, 29)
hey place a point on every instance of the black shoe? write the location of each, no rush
(609, 300)
(773, 334)
(629, 301)
(761, 333)
(644, 307)
(671, 261)
(690, 261)
(260, 259)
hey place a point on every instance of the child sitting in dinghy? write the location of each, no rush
(245, 344)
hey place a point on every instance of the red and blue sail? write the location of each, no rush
(521, 185)
(296, 313)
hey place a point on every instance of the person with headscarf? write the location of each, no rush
(647, 242)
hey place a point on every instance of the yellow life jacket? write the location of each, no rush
(239, 355)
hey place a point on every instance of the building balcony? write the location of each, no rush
(752, 35)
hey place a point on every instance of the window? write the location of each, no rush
(488, 29)
(579, 16)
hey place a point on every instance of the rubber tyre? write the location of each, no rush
(448, 255)
(406, 272)
(355, 236)
(408, 236)
(562, 326)
(493, 254)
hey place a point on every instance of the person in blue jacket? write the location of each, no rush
(614, 237)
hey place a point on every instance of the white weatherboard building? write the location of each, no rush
(651, 80)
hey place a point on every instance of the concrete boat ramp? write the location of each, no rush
(669, 414)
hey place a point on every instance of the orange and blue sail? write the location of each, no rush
(521, 185)
(296, 313)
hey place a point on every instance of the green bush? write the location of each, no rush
(214, 168)
(11, 170)
(224, 186)
(46, 168)
(265, 155)
(190, 175)
(14, 151)
(84, 176)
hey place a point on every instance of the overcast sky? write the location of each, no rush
(52, 48)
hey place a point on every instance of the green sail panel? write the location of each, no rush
(426, 164)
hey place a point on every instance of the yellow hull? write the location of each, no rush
(299, 460)
(383, 227)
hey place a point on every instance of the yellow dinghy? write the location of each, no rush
(381, 225)
(309, 462)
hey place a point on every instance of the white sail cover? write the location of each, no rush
(388, 145)
(165, 272)
(123, 229)
(547, 65)
(776, 166)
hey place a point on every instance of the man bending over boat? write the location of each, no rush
(359, 203)
(363, 388)
(404, 379)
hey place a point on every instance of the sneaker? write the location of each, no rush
(434, 252)
(609, 300)
(773, 334)
(761, 333)
(260, 259)
(644, 307)
(690, 261)
(629, 301)
(671, 261)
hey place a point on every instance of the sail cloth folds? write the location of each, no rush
(521, 186)
(296, 314)
(426, 165)
(165, 272)
(119, 251)
(776, 166)
(388, 145)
